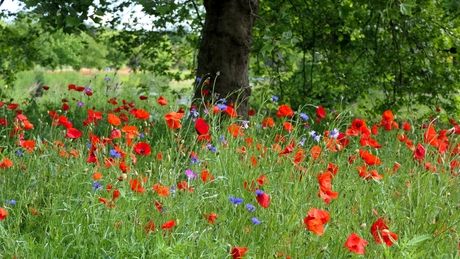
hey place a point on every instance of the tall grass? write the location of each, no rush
(58, 211)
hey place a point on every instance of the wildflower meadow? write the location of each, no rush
(95, 173)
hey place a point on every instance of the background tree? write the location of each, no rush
(393, 53)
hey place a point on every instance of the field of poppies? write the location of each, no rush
(92, 173)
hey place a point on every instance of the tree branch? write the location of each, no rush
(197, 13)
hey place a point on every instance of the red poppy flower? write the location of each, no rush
(141, 114)
(316, 219)
(235, 130)
(3, 213)
(103, 200)
(46, 87)
(142, 148)
(380, 232)
(315, 152)
(327, 195)
(420, 152)
(168, 224)
(238, 252)
(355, 244)
(333, 168)
(116, 194)
(65, 107)
(284, 111)
(211, 218)
(288, 126)
(28, 144)
(3, 122)
(159, 206)
(202, 128)
(321, 112)
(79, 88)
(12, 106)
(161, 190)
(367, 175)
(406, 126)
(430, 136)
(262, 198)
(369, 158)
(73, 133)
(251, 113)
(173, 120)
(137, 186)
(268, 122)
(113, 119)
(27, 125)
(162, 101)
(150, 226)
(231, 111)
(387, 119)
(357, 124)
(143, 97)
(206, 176)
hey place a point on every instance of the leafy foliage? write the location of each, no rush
(336, 53)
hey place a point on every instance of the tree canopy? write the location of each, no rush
(320, 52)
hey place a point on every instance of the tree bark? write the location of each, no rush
(225, 49)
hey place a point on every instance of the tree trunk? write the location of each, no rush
(225, 49)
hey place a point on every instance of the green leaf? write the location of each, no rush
(406, 8)
(267, 48)
(72, 21)
(414, 242)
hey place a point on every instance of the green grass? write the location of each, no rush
(419, 205)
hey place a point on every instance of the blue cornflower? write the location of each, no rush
(198, 79)
(211, 148)
(194, 112)
(250, 207)
(302, 142)
(80, 104)
(194, 160)
(141, 135)
(88, 89)
(317, 138)
(190, 174)
(303, 116)
(334, 133)
(107, 79)
(11, 202)
(259, 192)
(236, 201)
(222, 106)
(173, 189)
(97, 186)
(222, 100)
(88, 144)
(314, 136)
(19, 153)
(274, 98)
(114, 153)
(255, 221)
(222, 140)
